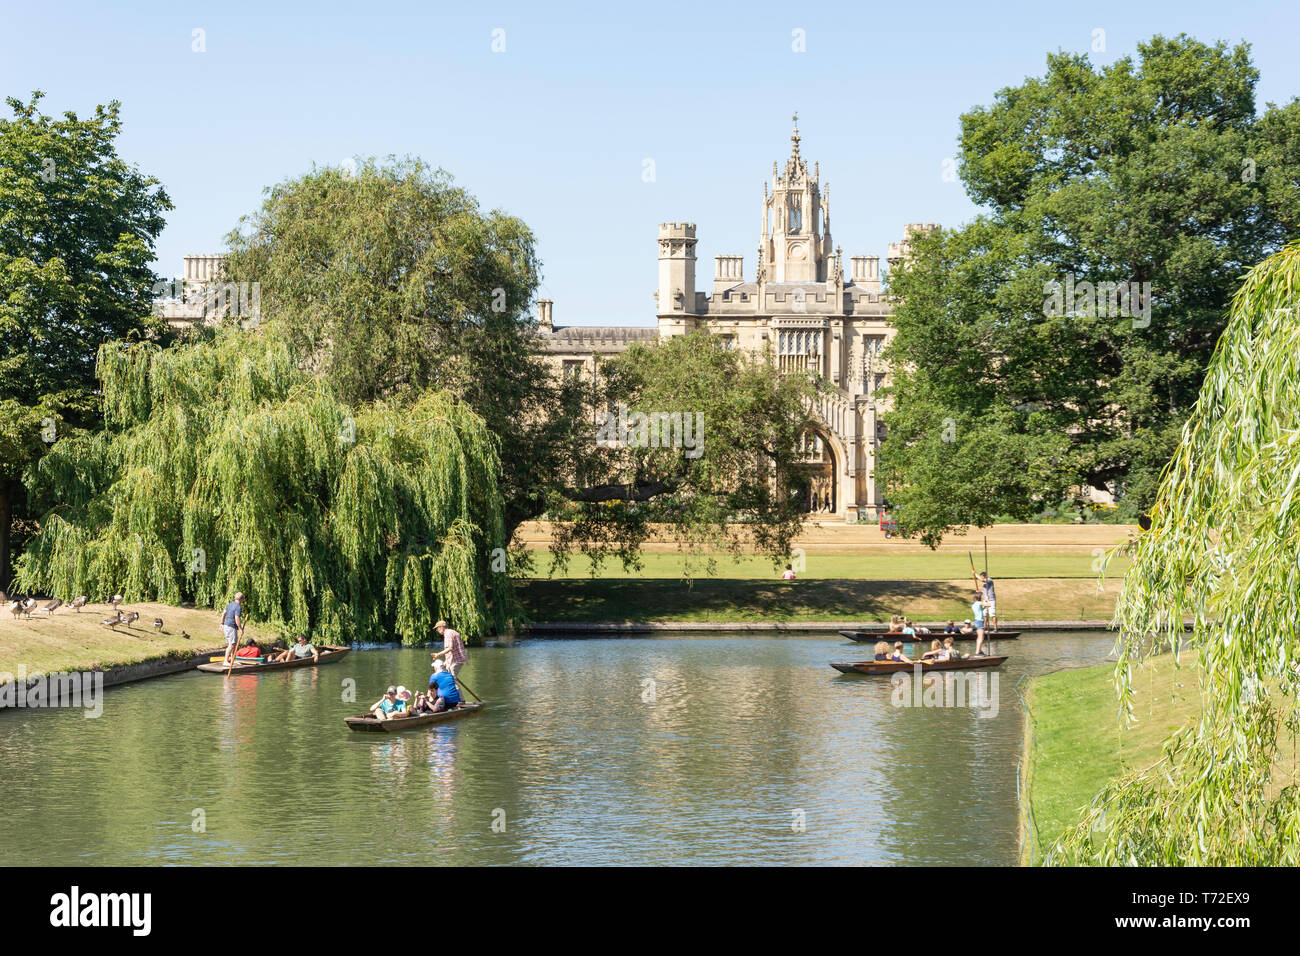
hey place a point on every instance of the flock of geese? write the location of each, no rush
(26, 608)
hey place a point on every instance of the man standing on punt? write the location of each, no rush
(232, 624)
(453, 652)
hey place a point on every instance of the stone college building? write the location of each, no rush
(801, 304)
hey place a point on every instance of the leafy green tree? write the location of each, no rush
(696, 439)
(225, 466)
(1153, 177)
(77, 230)
(390, 280)
(1221, 553)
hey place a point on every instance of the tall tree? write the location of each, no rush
(1059, 340)
(391, 280)
(224, 466)
(1220, 553)
(77, 231)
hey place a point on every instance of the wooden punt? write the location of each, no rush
(870, 637)
(328, 655)
(893, 667)
(367, 724)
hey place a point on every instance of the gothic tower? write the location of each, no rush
(796, 243)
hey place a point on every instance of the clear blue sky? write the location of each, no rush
(556, 128)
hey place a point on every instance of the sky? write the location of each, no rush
(593, 122)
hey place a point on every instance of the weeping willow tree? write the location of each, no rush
(225, 467)
(1223, 551)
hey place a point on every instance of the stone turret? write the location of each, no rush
(676, 268)
(544, 315)
(898, 251)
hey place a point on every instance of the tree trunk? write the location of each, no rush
(6, 518)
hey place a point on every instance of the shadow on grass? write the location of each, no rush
(716, 599)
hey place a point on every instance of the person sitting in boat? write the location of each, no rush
(935, 653)
(388, 706)
(898, 654)
(966, 630)
(443, 684)
(951, 628)
(250, 649)
(882, 651)
(895, 624)
(787, 574)
(950, 652)
(299, 651)
(908, 629)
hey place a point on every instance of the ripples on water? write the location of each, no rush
(645, 751)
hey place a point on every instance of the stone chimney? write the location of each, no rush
(730, 272)
(544, 315)
(203, 268)
(865, 272)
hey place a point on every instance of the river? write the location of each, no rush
(666, 750)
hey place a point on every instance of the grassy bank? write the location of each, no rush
(72, 641)
(918, 564)
(809, 599)
(1075, 743)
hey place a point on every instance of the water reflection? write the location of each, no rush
(710, 750)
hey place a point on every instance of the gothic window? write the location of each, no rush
(572, 369)
(796, 212)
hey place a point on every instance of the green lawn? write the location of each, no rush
(893, 565)
(1075, 743)
(730, 599)
(73, 641)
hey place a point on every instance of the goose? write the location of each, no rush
(16, 608)
(112, 622)
(78, 604)
(28, 606)
(157, 624)
(132, 618)
(53, 606)
(115, 600)
(185, 636)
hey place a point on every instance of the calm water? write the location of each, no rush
(751, 750)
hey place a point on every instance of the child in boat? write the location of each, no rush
(898, 654)
(882, 651)
(908, 629)
(950, 652)
(249, 650)
(935, 653)
(951, 628)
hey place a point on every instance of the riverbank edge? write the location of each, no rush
(174, 664)
(621, 628)
(145, 669)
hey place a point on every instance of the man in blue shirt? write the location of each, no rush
(232, 624)
(442, 683)
(990, 598)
